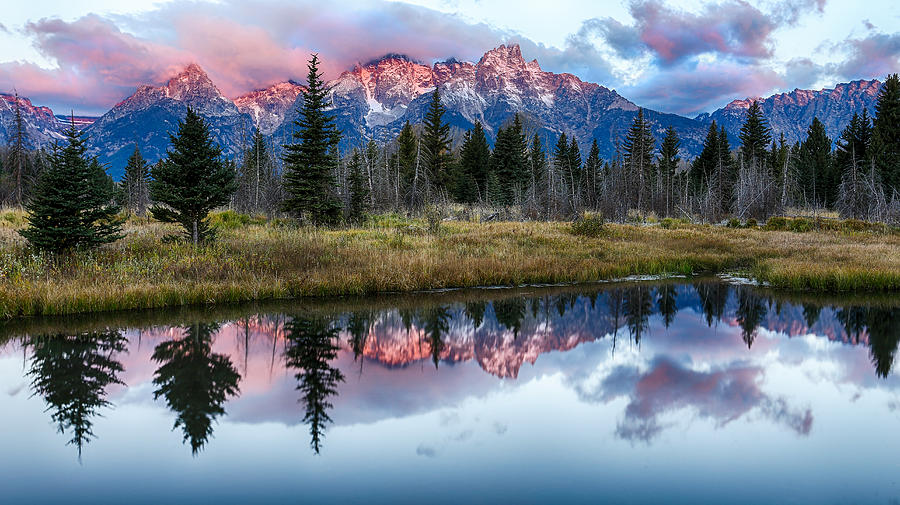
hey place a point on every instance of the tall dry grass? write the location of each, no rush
(255, 259)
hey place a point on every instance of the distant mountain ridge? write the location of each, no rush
(374, 100)
(792, 113)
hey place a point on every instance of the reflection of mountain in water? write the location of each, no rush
(195, 373)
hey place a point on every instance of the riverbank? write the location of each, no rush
(260, 260)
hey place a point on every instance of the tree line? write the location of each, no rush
(72, 203)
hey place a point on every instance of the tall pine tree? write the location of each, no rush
(638, 147)
(358, 203)
(436, 144)
(886, 134)
(71, 206)
(815, 166)
(755, 136)
(668, 166)
(192, 181)
(474, 162)
(137, 182)
(311, 160)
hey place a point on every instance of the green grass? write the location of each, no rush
(255, 259)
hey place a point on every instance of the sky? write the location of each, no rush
(681, 56)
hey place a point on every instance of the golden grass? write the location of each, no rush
(258, 260)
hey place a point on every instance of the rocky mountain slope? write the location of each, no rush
(792, 113)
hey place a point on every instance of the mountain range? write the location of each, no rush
(374, 100)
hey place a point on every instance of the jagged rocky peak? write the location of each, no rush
(268, 106)
(504, 57)
(192, 82)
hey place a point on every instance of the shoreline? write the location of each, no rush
(261, 261)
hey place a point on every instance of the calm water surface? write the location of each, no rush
(671, 393)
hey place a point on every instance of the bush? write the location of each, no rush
(588, 225)
(751, 223)
(777, 223)
(433, 218)
(733, 223)
(799, 225)
(668, 223)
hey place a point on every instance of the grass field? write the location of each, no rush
(255, 259)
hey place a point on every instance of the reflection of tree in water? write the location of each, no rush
(637, 307)
(436, 323)
(311, 346)
(666, 303)
(750, 312)
(194, 381)
(713, 297)
(358, 325)
(71, 373)
(475, 312)
(883, 328)
(811, 314)
(510, 313)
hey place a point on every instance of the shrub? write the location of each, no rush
(734, 223)
(669, 223)
(433, 217)
(799, 225)
(588, 225)
(751, 223)
(777, 223)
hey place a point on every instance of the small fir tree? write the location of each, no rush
(71, 206)
(192, 181)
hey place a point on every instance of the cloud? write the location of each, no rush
(875, 55)
(732, 28)
(3, 28)
(426, 450)
(692, 88)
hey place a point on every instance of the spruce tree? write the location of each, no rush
(508, 162)
(358, 203)
(815, 167)
(407, 153)
(638, 147)
(854, 143)
(704, 166)
(668, 165)
(256, 178)
(19, 156)
(474, 162)
(436, 143)
(71, 206)
(592, 174)
(136, 182)
(192, 181)
(310, 161)
(726, 174)
(755, 135)
(886, 134)
(537, 158)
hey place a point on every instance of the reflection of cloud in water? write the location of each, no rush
(721, 395)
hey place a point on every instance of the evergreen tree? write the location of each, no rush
(310, 161)
(667, 304)
(815, 166)
(703, 168)
(474, 163)
(638, 147)
(668, 165)
(755, 136)
(407, 155)
(593, 168)
(192, 181)
(19, 157)
(886, 133)
(257, 184)
(71, 206)
(537, 158)
(509, 162)
(136, 182)
(436, 143)
(359, 190)
(194, 381)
